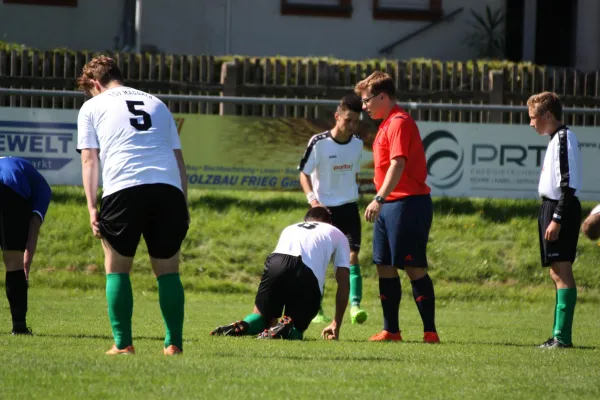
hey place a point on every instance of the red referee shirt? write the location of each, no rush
(398, 135)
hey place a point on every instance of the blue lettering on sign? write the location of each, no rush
(43, 138)
(35, 142)
(48, 164)
(211, 179)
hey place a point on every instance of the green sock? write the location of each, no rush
(172, 300)
(555, 304)
(295, 334)
(565, 309)
(355, 285)
(119, 297)
(256, 323)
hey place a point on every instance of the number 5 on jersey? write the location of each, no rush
(135, 122)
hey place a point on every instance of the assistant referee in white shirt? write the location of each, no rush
(560, 214)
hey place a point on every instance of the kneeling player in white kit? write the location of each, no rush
(293, 279)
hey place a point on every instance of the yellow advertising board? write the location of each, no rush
(253, 153)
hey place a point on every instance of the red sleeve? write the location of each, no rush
(399, 133)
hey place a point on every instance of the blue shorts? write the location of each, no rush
(401, 232)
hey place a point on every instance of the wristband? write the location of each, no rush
(379, 199)
(311, 197)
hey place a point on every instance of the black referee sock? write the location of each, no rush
(390, 293)
(16, 293)
(425, 300)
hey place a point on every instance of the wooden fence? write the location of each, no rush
(452, 82)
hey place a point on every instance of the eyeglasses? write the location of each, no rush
(365, 101)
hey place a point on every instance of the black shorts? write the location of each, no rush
(157, 211)
(565, 248)
(347, 219)
(401, 232)
(15, 214)
(287, 282)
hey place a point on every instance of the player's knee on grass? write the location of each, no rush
(591, 227)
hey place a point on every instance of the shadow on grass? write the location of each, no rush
(93, 336)
(522, 345)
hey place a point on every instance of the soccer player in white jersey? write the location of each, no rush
(560, 213)
(132, 136)
(328, 176)
(591, 225)
(293, 279)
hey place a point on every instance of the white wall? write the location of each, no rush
(90, 26)
(587, 49)
(257, 29)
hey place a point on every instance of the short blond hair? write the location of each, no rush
(591, 227)
(378, 82)
(546, 102)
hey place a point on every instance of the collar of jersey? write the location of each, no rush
(337, 141)
(560, 128)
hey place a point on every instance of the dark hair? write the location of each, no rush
(103, 69)
(351, 102)
(378, 82)
(546, 102)
(318, 214)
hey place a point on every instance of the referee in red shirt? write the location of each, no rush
(402, 209)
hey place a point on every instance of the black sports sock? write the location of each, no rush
(390, 293)
(425, 300)
(16, 293)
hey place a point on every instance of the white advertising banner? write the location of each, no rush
(500, 161)
(45, 137)
(463, 160)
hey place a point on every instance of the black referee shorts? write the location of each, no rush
(288, 283)
(157, 211)
(565, 248)
(347, 219)
(15, 215)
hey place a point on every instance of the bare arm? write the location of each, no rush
(392, 176)
(89, 173)
(183, 176)
(307, 187)
(182, 172)
(34, 230)
(342, 276)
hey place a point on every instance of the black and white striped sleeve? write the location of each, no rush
(567, 191)
(308, 163)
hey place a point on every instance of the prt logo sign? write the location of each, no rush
(44, 144)
(445, 159)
